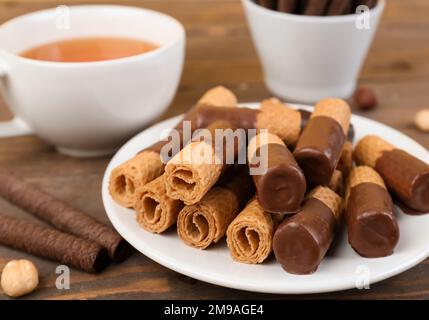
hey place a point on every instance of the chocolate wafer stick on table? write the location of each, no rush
(52, 244)
(62, 216)
(405, 175)
(148, 164)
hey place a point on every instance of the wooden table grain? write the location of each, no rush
(219, 51)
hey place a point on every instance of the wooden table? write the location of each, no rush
(219, 51)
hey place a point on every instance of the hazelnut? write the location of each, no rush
(365, 98)
(19, 277)
(422, 120)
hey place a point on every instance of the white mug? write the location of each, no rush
(88, 108)
(307, 58)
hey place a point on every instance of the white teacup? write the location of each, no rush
(89, 108)
(307, 58)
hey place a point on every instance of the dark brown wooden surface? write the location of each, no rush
(219, 51)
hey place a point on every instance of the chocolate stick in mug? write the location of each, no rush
(52, 244)
(281, 187)
(197, 167)
(287, 6)
(372, 227)
(339, 7)
(269, 4)
(369, 3)
(300, 243)
(155, 211)
(205, 222)
(315, 7)
(62, 216)
(250, 234)
(320, 145)
(405, 175)
(148, 164)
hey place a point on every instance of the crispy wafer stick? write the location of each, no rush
(405, 175)
(273, 115)
(372, 227)
(281, 188)
(339, 7)
(155, 211)
(345, 164)
(320, 145)
(269, 4)
(287, 6)
(315, 7)
(369, 3)
(301, 242)
(148, 164)
(205, 222)
(337, 183)
(198, 166)
(61, 215)
(52, 244)
(250, 234)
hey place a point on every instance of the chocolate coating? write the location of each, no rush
(319, 149)
(407, 177)
(244, 118)
(301, 242)
(282, 188)
(372, 227)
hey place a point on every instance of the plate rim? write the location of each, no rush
(418, 258)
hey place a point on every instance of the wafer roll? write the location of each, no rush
(372, 227)
(269, 4)
(337, 183)
(339, 7)
(315, 7)
(205, 222)
(273, 115)
(149, 164)
(320, 145)
(52, 244)
(250, 234)
(345, 164)
(287, 6)
(155, 211)
(301, 242)
(61, 215)
(281, 188)
(406, 176)
(198, 166)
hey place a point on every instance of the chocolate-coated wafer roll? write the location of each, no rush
(345, 164)
(273, 115)
(155, 211)
(301, 242)
(205, 222)
(337, 183)
(149, 164)
(315, 7)
(287, 6)
(61, 215)
(372, 228)
(250, 234)
(198, 166)
(320, 145)
(269, 4)
(405, 175)
(282, 186)
(339, 7)
(52, 244)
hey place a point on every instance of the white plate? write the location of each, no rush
(341, 269)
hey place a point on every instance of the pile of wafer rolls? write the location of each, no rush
(301, 178)
(316, 7)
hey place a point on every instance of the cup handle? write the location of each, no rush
(16, 126)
